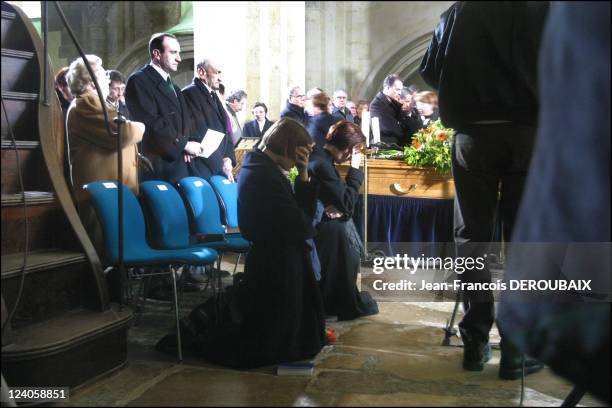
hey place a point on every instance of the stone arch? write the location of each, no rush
(403, 60)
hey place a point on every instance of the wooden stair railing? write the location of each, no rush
(65, 330)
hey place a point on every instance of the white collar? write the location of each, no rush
(161, 72)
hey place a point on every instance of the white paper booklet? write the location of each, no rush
(210, 143)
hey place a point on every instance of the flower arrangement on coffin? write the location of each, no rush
(431, 147)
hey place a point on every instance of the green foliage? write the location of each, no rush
(292, 174)
(431, 147)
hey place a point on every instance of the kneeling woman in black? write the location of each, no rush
(337, 242)
(283, 314)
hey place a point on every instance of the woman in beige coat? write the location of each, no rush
(93, 151)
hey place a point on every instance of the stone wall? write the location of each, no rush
(354, 45)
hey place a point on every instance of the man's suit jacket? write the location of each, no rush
(340, 115)
(207, 112)
(251, 129)
(167, 119)
(389, 113)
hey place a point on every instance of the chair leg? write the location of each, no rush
(219, 283)
(236, 264)
(144, 289)
(176, 315)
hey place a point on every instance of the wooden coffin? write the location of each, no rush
(396, 178)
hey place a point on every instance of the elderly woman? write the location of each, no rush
(337, 242)
(92, 150)
(283, 318)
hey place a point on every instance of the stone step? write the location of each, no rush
(55, 281)
(67, 350)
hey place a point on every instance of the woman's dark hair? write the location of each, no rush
(60, 77)
(284, 137)
(344, 134)
(114, 75)
(321, 101)
(263, 105)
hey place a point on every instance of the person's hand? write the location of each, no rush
(357, 157)
(332, 212)
(227, 169)
(188, 157)
(193, 148)
(301, 161)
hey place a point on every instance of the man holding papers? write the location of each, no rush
(216, 155)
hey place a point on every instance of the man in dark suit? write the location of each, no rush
(341, 112)
(483, 61)
(388, 109)
(208, 113)
(154, 100)
(295, 106)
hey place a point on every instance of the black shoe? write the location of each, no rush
(475, 356)
(510, 365)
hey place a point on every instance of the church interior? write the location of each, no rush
(66, 327)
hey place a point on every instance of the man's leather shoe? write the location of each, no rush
(510, 366)
(475, 356)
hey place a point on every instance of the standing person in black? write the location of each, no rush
(260, 125)
(411, 119)
(338, 243)
(208, 113)
(483, 62)
(154, 100)
(322, 120)
(569, 331)
(283, 312)
(386, 106)
(340, 110)
(295, 106)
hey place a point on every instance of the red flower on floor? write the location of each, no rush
(330, 333)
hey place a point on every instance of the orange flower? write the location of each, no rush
(331, 335)
(416, 144)
(441, 136)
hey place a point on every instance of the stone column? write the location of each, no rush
(258, 45)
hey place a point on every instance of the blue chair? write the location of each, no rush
(227, 194)
(169, 222)
(136, 251)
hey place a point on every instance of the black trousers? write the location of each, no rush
(489, 163)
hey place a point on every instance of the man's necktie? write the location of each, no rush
(171, 86)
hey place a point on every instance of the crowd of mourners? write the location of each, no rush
(305, 251)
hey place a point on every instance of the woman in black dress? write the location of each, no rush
(260, 125)
(338, 244)
(283, 311)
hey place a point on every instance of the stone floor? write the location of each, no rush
(392, 359)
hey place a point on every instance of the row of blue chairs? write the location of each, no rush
(186, 226)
